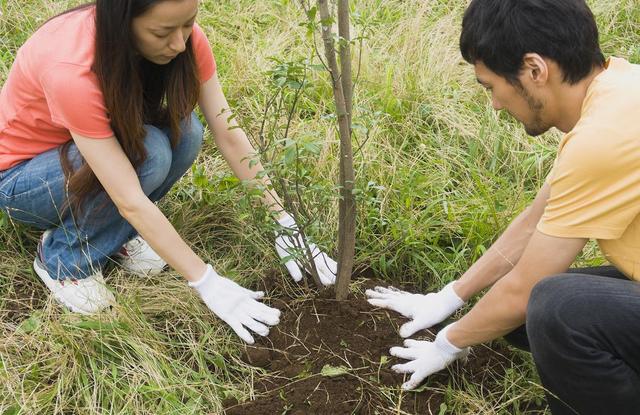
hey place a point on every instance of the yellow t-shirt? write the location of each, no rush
(595, 181)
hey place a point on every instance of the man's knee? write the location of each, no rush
(518, 338)
(546, 302)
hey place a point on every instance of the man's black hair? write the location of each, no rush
(500, 32)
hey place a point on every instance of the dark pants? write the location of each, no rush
(583, 330)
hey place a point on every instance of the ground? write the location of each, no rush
(440, 175)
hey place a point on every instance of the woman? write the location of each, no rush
(97, 124)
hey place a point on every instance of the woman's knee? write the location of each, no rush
(154, 170)
(193, 128)
(191, 137)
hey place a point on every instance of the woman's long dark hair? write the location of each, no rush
(136, 91)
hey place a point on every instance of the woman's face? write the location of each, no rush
(161, 33)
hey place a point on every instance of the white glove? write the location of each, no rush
(426, 357)
(424, 310)
(289, 243)
(236, 305)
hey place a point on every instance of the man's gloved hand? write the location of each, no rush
(426, 357)
(424, 310)
(289, 243)
(235, 305)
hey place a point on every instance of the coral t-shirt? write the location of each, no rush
(51, 90)
(595, 181)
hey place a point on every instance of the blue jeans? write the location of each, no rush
(583, 329)
(33, 192)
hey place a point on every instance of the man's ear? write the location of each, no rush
(535, 69)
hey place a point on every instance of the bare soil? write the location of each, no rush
(331, 357)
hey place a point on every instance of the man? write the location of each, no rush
(541, 61)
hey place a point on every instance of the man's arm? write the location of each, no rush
(504, 307)
(427, 310)
(500, 311)
(505, 252)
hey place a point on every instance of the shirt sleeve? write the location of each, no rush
(595, 187)
(551, 173)
(75, 100)
(203, 54)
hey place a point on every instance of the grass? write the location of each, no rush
(441, 175)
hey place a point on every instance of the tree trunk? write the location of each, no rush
(342, 90)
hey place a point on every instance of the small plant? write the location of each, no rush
(341, 80)
(343, 94)
(288, 161)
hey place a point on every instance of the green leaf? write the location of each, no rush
(294, 84)
(30, 325)
(228, 182)
(327, 21)
(96, 325)
(311, 14)
(12, 410)
(333, 371)
(218, 361)
(359, 128)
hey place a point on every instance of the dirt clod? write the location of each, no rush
(257, 356)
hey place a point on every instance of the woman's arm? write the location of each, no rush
(232, 141)
(119, 179)
(242, 158)
(235, 305)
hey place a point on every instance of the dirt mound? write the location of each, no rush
(331, 357)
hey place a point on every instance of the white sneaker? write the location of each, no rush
(86, 296)
(138, 257)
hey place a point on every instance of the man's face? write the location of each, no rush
(515, 98)
(161, 33)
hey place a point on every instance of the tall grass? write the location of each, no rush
(441, 175)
